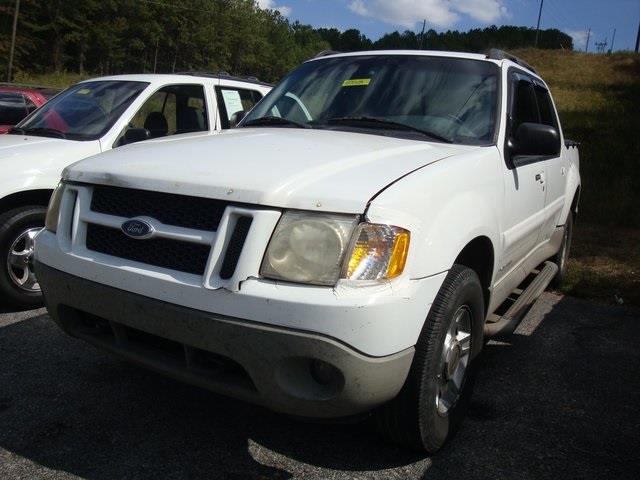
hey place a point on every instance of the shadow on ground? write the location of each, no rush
(558, 401)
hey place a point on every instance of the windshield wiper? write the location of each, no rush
(16, 131)
(44, 131)
(272, 120)
(382, 123)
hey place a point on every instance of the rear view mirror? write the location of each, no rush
(536, 139)
(236, 117)
(133, 135)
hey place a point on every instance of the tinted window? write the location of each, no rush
(173, 109)
(524, 107)
(451, 97)
(85, 111)
(545, 107)
(12, 108)
(233, 100)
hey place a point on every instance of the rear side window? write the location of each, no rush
(13, 108)
(232, 100)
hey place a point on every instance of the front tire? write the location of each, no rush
(562, 257)
(433, 401)
(18, 285)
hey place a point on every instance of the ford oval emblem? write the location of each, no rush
(138, 229)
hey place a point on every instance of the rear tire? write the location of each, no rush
(18, 287)
(562, 257)
(433, 401)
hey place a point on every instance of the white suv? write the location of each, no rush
(92, 117)
(343, 251)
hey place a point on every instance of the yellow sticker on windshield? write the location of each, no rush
(356, 82)
(84, 91)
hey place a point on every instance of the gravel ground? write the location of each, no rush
(558, 400)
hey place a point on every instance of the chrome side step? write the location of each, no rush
(507, 323)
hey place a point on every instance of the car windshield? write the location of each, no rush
(416, 96)
(85, 111)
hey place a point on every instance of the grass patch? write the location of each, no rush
(605, 264)
(57, 80)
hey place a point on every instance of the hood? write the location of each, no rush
(280, 167)
(26, 158)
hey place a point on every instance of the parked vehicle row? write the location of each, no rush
(88, 118)
(345, 251)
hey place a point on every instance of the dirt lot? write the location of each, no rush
(559, 400)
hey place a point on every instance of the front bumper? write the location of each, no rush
(269, 365)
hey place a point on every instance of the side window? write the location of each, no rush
(30, 105)
(547, 115)
(172, 110)
(233, 100)
(524, 108)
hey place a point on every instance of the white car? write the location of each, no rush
(92, 117)
(345, 250)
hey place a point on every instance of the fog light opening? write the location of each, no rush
(324, 373)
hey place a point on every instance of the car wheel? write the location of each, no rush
(562, 257)
(18, 228)
(434, 399)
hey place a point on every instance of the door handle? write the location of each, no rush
(539, 178)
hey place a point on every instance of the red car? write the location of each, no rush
(17, 101)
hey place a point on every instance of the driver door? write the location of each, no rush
(524, 181)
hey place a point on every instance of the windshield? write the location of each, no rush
(85, 111)
(436, 98)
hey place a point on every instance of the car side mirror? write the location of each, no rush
(133, 135)
(236, 118)
(533, 139)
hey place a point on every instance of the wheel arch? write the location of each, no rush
(23, 198)
(479, 256)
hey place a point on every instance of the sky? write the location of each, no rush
(376, 17)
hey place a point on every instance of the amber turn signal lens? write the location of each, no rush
(379, 252)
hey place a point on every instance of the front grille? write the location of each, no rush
(169, 208)
(160, 252)
(236, 242)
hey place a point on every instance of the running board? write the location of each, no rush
(506, 324)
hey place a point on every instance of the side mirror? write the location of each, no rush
(133, 135)
(536, 139)
(236, 117)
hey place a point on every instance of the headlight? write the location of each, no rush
(308, 247)
(379, 252)
(319, 249)
(53, 212)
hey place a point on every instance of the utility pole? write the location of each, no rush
(638, 38)
(13, 40)
(586, 48)
(538, 27)
(613, 39)
(424, 25)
